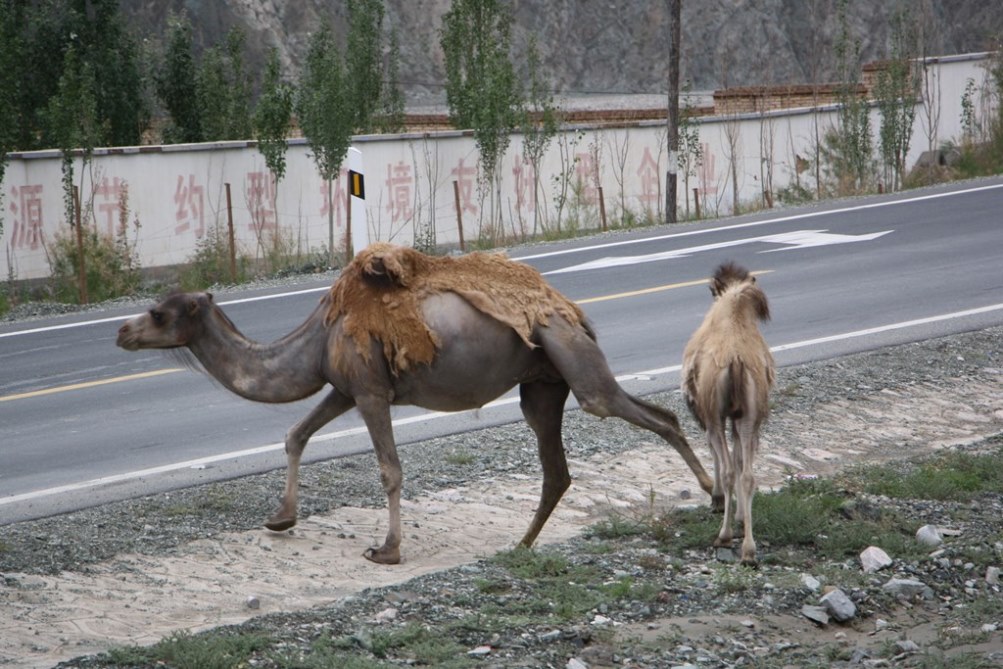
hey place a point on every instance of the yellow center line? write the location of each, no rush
(656, 289)
(159, 372)
(89, 384)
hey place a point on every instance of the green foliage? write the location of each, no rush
(210, 264)
(363, 61)
(224, 91)
(481, 87)
(110, 263)
(848, 149)
(323, 104)
(273, 117)
(177, 84)
(539, 119)
(955, 476)
(182, 650)
(896, 90)
(391, 113)
(71, 119)
(419, 645)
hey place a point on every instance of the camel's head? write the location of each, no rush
(728, 274)
(170, 324)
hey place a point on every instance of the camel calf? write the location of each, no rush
(727, 373)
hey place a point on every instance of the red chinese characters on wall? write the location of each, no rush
(26, 211)
(189, 206)
(107, 202)
(466, 177)
(649, 178)
(261, 191)
(525, 185)
(705, 172)
(340, 199)
(400, 185)
(585, 172)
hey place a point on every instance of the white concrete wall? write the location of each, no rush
(176, 193)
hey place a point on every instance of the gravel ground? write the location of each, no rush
(686, 610)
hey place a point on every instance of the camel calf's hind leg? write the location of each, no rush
(330, 408)
(543, 406)
(578, 359)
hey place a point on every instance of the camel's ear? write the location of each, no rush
(193, 306)
(209, 296)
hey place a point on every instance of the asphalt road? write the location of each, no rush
(83, 422)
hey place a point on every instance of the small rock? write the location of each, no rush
(839, 606)
(386, 615)
(993, 575)
(253, 602)
(928, 535)
(575, 663)
(685, 494)
(480, 651)
(990, 627)
(810, 582)
(601, 620)
(816, 614)
(907, 646)
(724, 554)
(880, 624)
(874, 559)
(908, 588)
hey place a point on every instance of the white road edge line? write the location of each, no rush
(189, 464)
(737, 226)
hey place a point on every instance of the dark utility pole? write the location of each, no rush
(675, 7)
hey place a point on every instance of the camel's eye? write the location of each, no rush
(157, 316)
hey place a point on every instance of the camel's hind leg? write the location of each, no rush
(578, 359)
(330, 408)
(725, 472)
(543, 406)
(745, 433)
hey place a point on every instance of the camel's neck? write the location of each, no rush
(286, 370)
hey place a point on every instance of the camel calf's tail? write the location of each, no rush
(737, 397)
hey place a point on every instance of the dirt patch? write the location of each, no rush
(138, 599)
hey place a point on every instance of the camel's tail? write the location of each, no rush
(736, 390)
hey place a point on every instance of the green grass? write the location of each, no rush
(952, 476)
(185, 651)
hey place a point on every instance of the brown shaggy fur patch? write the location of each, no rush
(380, 292)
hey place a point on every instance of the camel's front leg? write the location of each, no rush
(376, 412)
(330, 408)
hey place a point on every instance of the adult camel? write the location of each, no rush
(402, 328)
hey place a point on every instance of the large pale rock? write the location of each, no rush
(839, 606)
(929, 535)
(874, 559)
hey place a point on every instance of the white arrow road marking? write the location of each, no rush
(798, 239)
(802, 239)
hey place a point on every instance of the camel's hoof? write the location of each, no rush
(382, 555)
(717, 503)
(751, 563)
(280, 524)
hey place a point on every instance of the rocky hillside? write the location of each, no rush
(613, 46)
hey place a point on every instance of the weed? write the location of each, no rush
(186, 651)
(210, 264)
(460, 458)
(111, 268)
(953, 476)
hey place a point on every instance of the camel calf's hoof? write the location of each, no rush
(717, 503)
(276, 524)
(383, 555)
